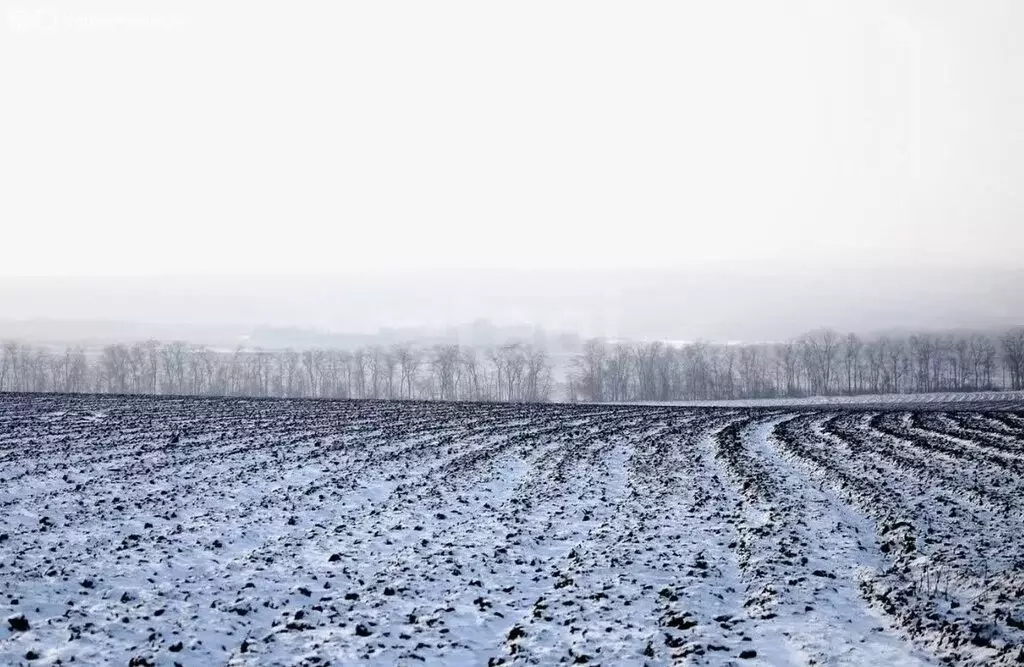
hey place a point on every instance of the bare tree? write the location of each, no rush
(445, 363)
(7, 352)
(409, 360)
(473, 375)
(538, 375)
(137, 359)
(699, 376)
(819, 353)
(852, 347)
(961, 352)
(618, 364)
(896, 363)
(115, 366)
(1013, 355)
(496, 372)
(514, 363)
(195, 368)
(589, 370)
(751, 377)
(290, 371)
(360, 365)
(175, 356)
(875, 355)
(311, 364)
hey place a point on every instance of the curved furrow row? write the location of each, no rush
(803, 554)
(254, 532)
(951, 560)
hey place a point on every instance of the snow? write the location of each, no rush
(315, 532)
(978, 400)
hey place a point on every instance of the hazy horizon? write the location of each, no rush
(730, 171)
(743, 304)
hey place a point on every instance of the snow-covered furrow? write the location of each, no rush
(802, 553)
(921, 462)
(954, 511)
(981, 400)
(993, 424)
(162, 531)
(1005, 446)
(616, 598)
(947, 445)
(990, 482)
(953, 580)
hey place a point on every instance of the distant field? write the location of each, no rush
(266, 532)
(978, 400)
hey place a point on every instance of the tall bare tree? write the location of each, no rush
(1013, 355)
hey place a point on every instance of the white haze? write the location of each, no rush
(399, 163)
(762, 303)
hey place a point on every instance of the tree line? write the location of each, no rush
(819, 363)
(822, 362)
(513, 371)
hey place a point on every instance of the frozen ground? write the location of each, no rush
(977, 400)
(187, 531)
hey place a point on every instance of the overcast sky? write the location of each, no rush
(795, 163)
(142, 137)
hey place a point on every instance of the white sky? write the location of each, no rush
(140, 137)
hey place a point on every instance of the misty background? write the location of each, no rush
(734, 171)
(751, 304)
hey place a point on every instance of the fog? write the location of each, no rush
(752, 305)
(733, 171)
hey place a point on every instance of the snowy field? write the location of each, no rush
(978, 400)
(141, 531)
